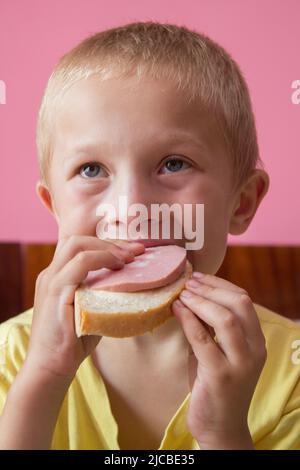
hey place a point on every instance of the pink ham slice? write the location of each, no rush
(156, 267)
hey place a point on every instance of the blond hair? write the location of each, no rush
(191, 60)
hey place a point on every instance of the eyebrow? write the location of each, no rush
(175, 136)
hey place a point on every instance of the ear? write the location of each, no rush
(44, 195)
(247, 201)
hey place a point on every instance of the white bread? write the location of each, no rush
(125, 314)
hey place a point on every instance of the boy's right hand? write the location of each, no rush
(54, 349)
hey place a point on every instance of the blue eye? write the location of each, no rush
(90, 170)
(174, 165)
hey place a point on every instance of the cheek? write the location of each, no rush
(77, 212)
(216, 217)
(210, 257)
(216, 225)
(216, 209)
(76, 197)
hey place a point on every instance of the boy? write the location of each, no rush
(160, 114)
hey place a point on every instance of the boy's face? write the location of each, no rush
(130, 130)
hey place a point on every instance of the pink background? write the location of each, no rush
(263, 36)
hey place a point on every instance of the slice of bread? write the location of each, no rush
(125, 314)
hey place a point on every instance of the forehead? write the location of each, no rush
(143, 108)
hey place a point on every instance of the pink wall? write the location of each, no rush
(262, 35)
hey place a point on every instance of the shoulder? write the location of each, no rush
(275, 407)
(282, 335)
(24, 319)
(14, 339)
(268, 316)
(16, 327)
(276, 327)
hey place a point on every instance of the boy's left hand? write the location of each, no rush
(223, 374)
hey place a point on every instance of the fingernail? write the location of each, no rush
(198, 275)
(186, 293)
(192, 283)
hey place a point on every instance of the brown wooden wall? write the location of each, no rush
(271, 275)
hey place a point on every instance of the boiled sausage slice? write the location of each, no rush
(156, 267)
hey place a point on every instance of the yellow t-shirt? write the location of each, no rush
(86, 421)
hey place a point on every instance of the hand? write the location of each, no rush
(54, 347)
(224, 371)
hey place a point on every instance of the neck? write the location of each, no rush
(167, 337)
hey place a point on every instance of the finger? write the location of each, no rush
(215, 281)
(134, 245)
(204, 347)
(226, 324)
(237, 302)
(76, 270)
(69, 247)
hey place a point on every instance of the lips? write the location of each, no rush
(149, 243)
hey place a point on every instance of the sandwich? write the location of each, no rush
(135, 299)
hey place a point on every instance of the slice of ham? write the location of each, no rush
(156, 267)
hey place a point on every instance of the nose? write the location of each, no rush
(129, 196)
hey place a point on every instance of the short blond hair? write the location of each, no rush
(191, 60)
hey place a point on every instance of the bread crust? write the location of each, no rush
(125, 324)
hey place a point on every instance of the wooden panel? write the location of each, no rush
(35, 259)
(10, 280)
(271, 275)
